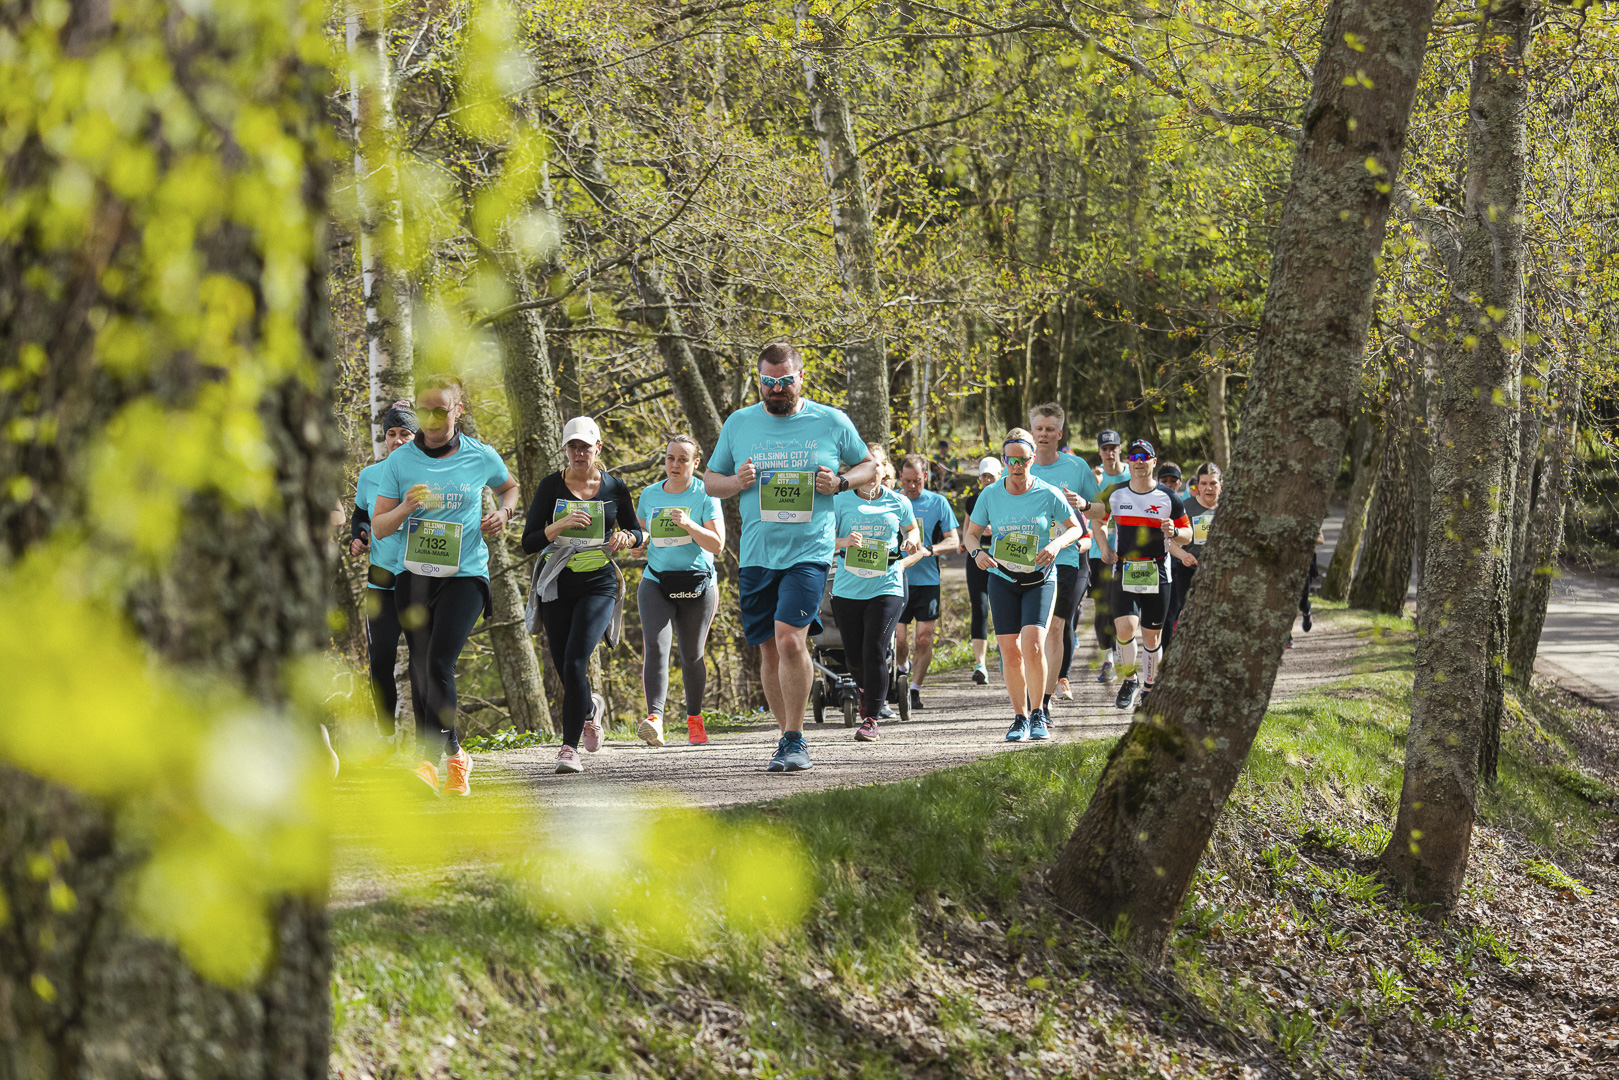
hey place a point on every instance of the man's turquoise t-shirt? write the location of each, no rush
(387, 552)
(934, 515)
(669, 546)
(1077, 476)
(1023, 523)
(883, 519)
(457, 482)
(785, 521)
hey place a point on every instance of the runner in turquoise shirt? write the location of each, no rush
(1074, 478)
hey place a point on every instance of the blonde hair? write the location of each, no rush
(1050, 410)
(885, 467)
(1018, 434)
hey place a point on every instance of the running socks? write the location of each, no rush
(1151, 661)
(1045, 704)
(1127, 653)
(1111, 655)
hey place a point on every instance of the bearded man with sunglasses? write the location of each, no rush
(783, 457)
(1148, 517)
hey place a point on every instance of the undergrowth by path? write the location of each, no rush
(934, 950)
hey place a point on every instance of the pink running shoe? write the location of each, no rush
(568, 760)
(867, 731)
(591, 740)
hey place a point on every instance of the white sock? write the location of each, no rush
(1127, 653)
(1151, 665)
(1111, 655)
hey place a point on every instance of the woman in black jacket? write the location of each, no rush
(595, 511)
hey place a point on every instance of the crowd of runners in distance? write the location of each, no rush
(1043, 530)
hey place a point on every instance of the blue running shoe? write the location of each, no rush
(1037, 725)
(792, 754)
(1019, 729)
(1106, 674)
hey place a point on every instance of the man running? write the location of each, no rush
(782, 456)
(1074, 479)
(1148, 517)
(1101, 580)
(1200, 508)
(939, 527)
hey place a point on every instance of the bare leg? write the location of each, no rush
(1054, 645)
(980, 649)
(1012, 671)
(902, 645)
(924, 652)
(1032, 642)
(769, 663)
(794, 674)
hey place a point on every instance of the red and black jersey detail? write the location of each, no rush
(1139, 520)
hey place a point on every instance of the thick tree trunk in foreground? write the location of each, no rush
(1543, 541)
(865, 355)
(1369, 459)
(83, 991)
(1477, 396)
(1137, 847)
(1383, 576)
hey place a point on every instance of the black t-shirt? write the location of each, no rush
(618, 509)
(1194, 510)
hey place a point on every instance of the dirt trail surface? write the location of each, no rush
(962, 722)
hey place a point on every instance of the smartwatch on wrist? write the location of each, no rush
(843, 483)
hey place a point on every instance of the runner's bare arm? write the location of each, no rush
(495, 523)
(861, 472)
(723, 487)
(391, 513)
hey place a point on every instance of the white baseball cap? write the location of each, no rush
(989, 465)
(582, 428)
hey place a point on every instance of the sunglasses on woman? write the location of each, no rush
(1012, 459)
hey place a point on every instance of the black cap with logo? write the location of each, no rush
(1108, 438)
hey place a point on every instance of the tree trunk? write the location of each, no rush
(1136, 849)
(1368, 459)
(1532, 588)
(1421, 466)
(239, 596)
(1383, 576)
(531, 390)
(388, 333)
(865, 354)
(1219, 426)
(1477, 395)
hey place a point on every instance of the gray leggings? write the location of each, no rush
(659, 618)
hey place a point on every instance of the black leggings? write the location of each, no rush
(978, 593)
(867, 627)
(1179, 589)
(1101, 588)
(575, 623)
(1071, 582)
(382, 649)
(438, 615)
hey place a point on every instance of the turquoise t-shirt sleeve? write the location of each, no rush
(365, 490)
(388, 484)
(1088, 488)
(498, 473)
(851, 447)
(711, 510)
(908, 518)
(947, 517)
(723, 459)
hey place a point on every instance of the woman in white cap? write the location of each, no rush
(583, 516)
(989, 471)
(678, 591)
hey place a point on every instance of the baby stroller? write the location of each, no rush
(834, 686)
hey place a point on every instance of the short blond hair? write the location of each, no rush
(1050, 410)
(1017, 434)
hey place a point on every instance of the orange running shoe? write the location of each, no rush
(427, 772)
(459, 766)
(696, 734)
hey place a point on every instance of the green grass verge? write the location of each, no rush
(469, 978)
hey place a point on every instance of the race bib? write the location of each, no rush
(432, 548)
(787, 497)
(1200, 527)
(596, 530)
(1016, 551)
(1140, 575)
(665, 533)
(867, 562)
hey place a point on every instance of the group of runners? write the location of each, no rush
(1044, 530)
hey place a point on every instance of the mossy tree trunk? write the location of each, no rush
(1136, 849)
(1368, 459)
(1464, 589)
(1545, 510)
(83, 991)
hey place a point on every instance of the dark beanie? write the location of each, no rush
(400, 414)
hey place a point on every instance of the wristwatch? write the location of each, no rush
(843, 483)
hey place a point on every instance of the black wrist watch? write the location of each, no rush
(843, 483)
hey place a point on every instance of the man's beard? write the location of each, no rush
(780, 406)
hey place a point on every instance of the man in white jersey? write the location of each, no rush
(783, 456)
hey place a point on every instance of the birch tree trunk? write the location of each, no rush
(1477, 396)
(865, 356)
(1136, 848)
(388, 332)
(240, 595)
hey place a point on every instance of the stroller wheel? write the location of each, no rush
(818, 701)
(849, 709)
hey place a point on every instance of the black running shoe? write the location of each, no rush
(1127, 693)
(916, 699)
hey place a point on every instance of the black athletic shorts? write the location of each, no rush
(921, 604)
(1150, 608)
(1071, 582)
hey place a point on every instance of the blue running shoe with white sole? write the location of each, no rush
(1038, 722)
(792, 754)
(1019, 729)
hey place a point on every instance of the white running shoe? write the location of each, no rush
(651, 730)
(568, 760)
(591, 740)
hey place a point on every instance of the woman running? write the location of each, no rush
(876, 531)
(431, 492)
(387, 559)
(579, 518)
(989, 471)
(1032, 522)
(684, 531)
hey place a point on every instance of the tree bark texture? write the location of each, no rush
(1477, 396)
(1543, 541)
(1137, 846)
(1369, 458)
(531, 388)
(865, 354)
(241, 593)
(1383, 575)
(388, 331)
(1422, 399)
